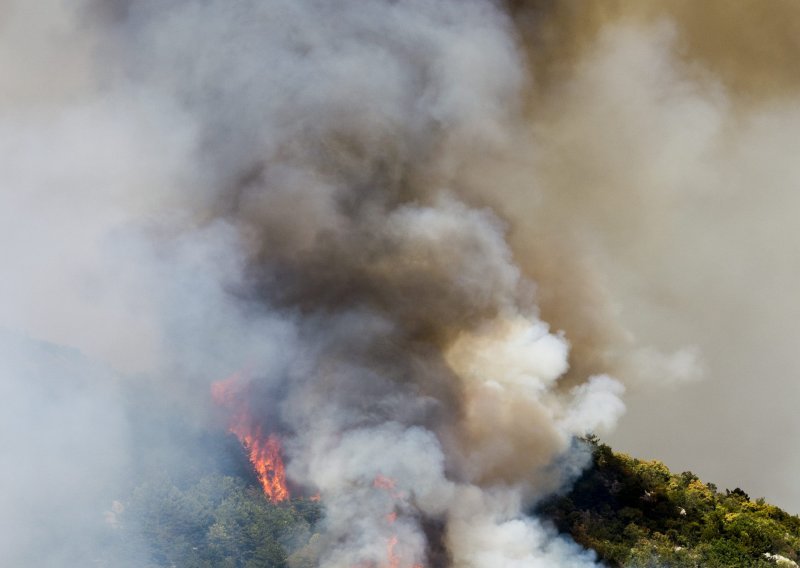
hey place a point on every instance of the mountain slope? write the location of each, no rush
(637, 513)
(632, 513)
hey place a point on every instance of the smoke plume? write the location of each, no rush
(412, 223)
(666, 173)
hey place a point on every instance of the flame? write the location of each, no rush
(383, 482)
(265, 455)
(264, 452)
(392, 557)
(388, 484)
(394, 560)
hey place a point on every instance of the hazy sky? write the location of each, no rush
(668, 137)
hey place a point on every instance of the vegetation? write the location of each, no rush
(218, 522)
(636, 513)
(633, 513)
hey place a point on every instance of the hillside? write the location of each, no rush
(632, 513)
(637, 513)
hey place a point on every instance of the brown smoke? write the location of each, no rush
(663, 166)
(749, 45)
(430, 229)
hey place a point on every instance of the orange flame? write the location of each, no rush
(394, 559)
(264, 452)
(388, 484)
(383, 482)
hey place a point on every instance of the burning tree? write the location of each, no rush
(264, 451)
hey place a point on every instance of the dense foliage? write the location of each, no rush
(637, 513)
(219, 522)
(633, 513)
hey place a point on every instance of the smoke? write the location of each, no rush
(425, 228)
(665, 169)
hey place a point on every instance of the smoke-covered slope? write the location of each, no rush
(632, 513)
(415, 247)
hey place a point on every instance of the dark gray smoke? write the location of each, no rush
(376, 208)
(280, 185)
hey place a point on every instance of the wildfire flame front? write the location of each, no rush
(264, 452)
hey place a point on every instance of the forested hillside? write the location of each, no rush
(218, 522)
(636, 513)
(633, 513)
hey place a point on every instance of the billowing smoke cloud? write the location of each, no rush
(666, 171)
(276, 185)
(380, 210)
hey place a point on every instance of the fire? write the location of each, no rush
(383, 482)
(265, 455)
(393, 559)
(263, 451)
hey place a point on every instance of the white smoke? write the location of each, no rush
(293, 186)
